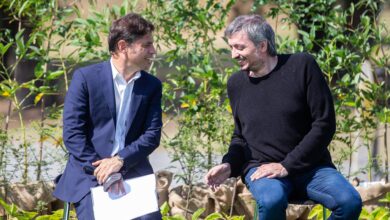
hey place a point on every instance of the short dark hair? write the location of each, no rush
(128, 28)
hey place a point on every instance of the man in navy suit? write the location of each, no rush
(112, 116)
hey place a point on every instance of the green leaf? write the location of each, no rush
(94, 37)
(179, 40)
(191, 80)
(81, 21)
(46, 217)
(4, 48)
(175, 217)
(383, 214)
(346, 78)
(350, 104)
(364, 214)
(25, 5)
(387, 197)
(123, 11)
(91, 21)
(237, 218)
(164, 209)
(38, 70)
(13, 211)
(7, 208)
(303, 33)
(214, 216)
(35, 49)
(197, 214)
(316, 211)
(58, 214)
(19, 34)
(55, 74)
(44, 88)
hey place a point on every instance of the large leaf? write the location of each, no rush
(55, 74)
(214, 216)
(197, 214)
(16, 212)
(164, 209)
(4, 48)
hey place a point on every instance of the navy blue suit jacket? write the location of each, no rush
(89, 127)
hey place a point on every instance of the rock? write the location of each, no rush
(27, 196)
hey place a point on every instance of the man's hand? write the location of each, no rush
(270, 170)
(218, 175)
(106, 167)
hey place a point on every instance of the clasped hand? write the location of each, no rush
(104, 169)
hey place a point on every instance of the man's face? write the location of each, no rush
(140, 52)
(248, 56)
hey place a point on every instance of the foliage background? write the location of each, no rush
(43, 41)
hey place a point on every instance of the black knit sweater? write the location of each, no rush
(286, 116)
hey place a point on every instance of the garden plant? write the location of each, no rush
(43, 41)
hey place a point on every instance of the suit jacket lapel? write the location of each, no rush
(136, 98)
(108, 88)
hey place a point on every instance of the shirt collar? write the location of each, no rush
(118, 77)
(115, 72)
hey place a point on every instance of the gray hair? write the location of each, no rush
(257, 29)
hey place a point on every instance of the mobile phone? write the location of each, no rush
(89, 169)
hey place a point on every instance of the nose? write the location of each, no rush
(152, 50)
(234, 53)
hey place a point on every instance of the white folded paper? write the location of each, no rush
(140, 199)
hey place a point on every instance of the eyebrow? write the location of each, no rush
(236, 44)
(148, 42)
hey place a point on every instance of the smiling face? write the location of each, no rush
(139, 53)
(249, 56)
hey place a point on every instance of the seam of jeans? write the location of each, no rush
(332, 204)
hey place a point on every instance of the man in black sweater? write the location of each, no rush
(284, 121)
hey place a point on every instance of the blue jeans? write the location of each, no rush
(324, 185)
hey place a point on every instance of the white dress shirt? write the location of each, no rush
(123, 91)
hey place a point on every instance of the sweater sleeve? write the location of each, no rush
(236, 153)
(314, 145)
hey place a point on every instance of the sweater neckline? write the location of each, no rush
(261, 78)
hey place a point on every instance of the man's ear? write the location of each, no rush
(263, 46)
(122, 46)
